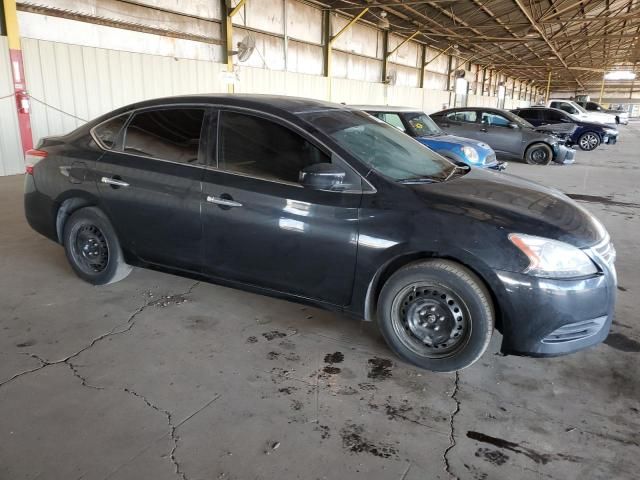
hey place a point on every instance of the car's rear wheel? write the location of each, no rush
(437, 315)
(538, 154)
(92, 247)
(589, 141)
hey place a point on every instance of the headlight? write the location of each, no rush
(551, 258)
(471, 154)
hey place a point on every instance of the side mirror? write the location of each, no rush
(513, 125)
(322, 176)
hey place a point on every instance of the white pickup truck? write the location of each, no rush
(620, 115)
(572, 108)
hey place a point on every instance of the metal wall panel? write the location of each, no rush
(304, 22)
(361, 39)
(11, 157)
(70, 84)
(408, 54)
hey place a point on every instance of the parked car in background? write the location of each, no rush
(325, 205)
(418, 125)
(587, 135)
(580, 113)
(620, 115)
(509, 135)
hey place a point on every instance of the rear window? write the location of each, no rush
(107, 133)
(463, 116)
(169, 134)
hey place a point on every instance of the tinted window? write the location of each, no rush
(463, 116)
(261, 148)
(565, 107)
(494, 119)
(392, 119)
(169, 134)
(553, 116)
(107, 132)
(528, 114)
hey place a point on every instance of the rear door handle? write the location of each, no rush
(114, 182)
(226, 202)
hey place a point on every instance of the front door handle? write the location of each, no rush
(226, 202)
(114, 182)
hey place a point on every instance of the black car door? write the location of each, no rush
(150, 185)
(262, 227)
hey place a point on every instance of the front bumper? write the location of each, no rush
(610, 139)
(564, 155)
(547, 317)
(499, 166)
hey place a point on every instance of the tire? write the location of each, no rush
(538, 154)
(589, 141)
(92, 247)
(436, 315)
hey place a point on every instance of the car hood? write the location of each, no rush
(515, 205)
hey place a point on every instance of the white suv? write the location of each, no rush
(572, 108)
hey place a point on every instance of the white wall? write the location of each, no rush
(11, 158)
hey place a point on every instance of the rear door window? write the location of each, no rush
(171, 134)
(529, 114)
(469, 116)
(553, 116)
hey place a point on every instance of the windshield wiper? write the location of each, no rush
(457, 168)
(411, 180)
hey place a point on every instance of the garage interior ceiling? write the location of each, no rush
(574, 39)
(570, 41)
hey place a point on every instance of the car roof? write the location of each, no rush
(385, 108)
(280, 105)
(474, 109)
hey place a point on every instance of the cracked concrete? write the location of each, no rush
(160, 377)
(452, 428)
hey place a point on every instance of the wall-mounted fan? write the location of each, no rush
(246, 47)
(391, 78)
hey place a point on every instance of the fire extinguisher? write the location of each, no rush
(22, 101)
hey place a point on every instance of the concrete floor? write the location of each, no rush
(159, 377)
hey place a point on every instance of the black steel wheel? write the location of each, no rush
(538, 154)
(431, 319)
(589, 141)
(92, 247)
(436, 314)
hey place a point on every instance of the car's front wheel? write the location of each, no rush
(589, 141)
(92, 247)
(437, 315)
(538, 154)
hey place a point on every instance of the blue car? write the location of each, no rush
(418, 125)
(587, 135)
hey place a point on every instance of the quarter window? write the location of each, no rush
(107, 132)
(258, 147)
(168, 134)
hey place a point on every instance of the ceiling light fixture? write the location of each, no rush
(620, 75)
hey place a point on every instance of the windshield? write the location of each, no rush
(380, 146)
(422, 125)
(516, 119)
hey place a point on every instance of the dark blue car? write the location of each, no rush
(587, 135)
(418, 125)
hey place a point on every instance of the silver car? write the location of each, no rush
(509, 135)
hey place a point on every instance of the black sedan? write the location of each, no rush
(322, 204)
(509, 135)
(587, 135)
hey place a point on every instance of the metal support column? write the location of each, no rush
(228, 30)
(546, 95)
(10, 16)
(602, 89)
